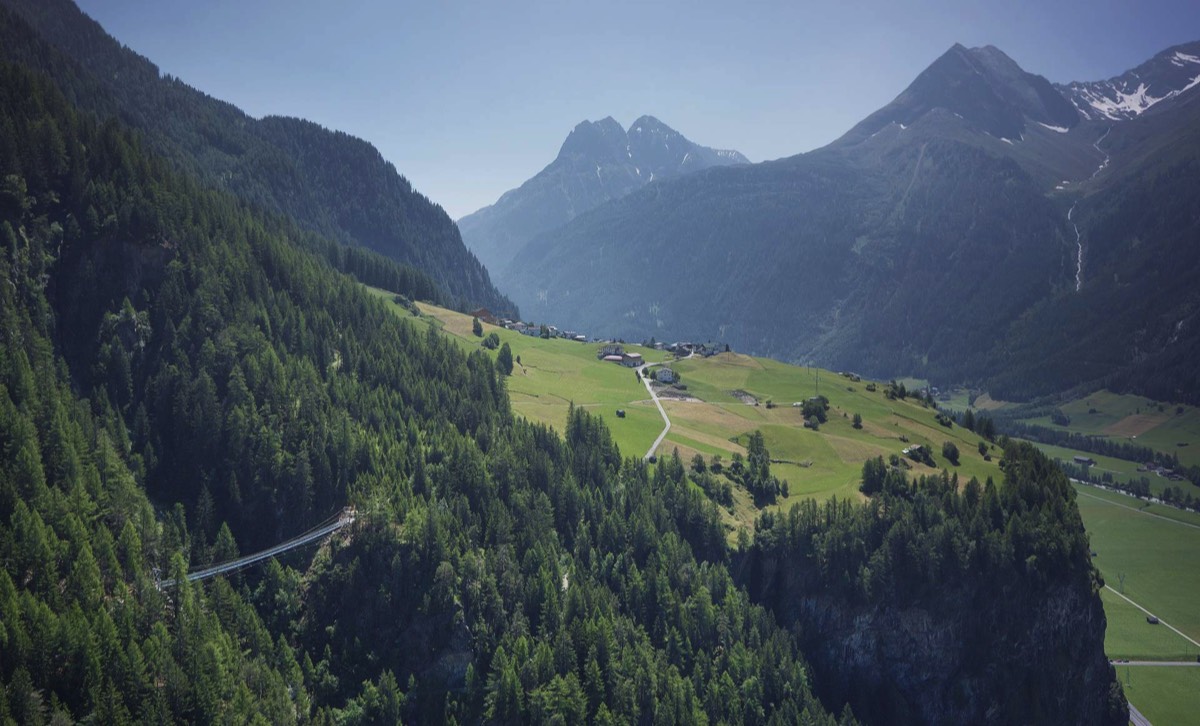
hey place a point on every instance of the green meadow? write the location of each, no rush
(725, 400)
(1159, 557)
(553, 374)
(1166, 696)
(1169, 428)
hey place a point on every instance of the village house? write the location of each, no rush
(610, 349)
(665, 375)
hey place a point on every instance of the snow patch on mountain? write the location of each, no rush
(1165, 76)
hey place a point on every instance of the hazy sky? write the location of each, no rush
(469, 100)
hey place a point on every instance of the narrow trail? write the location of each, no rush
(1071, 214)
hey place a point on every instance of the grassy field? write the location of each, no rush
(1165, 427)
(1130, 636)
(1159, 557)
(727, 398)
(554, 373)
(828, 461)
(1165, 696)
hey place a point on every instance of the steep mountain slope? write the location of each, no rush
(182, 376)
(328, 181)
(598, 162)
(179, 377)
(1135, 322)
(1165, 76)
(917, 243)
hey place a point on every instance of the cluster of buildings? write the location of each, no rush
(1156, 468)
(615, 353)
(530, 329)
(701, 349)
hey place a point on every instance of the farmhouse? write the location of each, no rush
(1084, 461)
(610, 349)
(631, 360)
(665, 375)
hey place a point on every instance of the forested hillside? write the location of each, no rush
(183, 378)
(327, 181)
(166, 351)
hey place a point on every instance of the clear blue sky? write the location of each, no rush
(470, 99)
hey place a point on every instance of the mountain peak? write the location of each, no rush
(983, 87)
(599, 161)
(594, 139)
(648, 123)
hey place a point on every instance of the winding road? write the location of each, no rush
(657, 402)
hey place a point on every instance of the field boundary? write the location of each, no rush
(1134, 509)
(1161, 621)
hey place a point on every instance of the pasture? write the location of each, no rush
(1159, 557)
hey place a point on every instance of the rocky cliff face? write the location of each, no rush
(1002, 654)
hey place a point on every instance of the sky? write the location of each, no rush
(469, 100)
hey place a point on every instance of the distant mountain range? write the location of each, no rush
(332, 183)
(598, 162)
(986, 226)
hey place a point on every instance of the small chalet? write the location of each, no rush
(1084, 461)
(631, 360)
(665, 375)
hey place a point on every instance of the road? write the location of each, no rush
(1159, 663)
(1162, 622)
(1136, 718)
(654, 396)
(1132, 509)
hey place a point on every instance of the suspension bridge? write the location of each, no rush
(317, 532)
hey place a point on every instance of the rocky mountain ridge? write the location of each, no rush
(598, 162)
